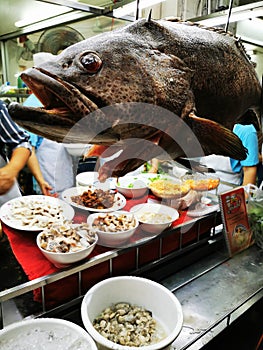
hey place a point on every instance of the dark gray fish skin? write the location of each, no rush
(184, 68)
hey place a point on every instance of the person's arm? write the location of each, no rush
(33, 166)
(249, 175)
(10, 171)
(154, 166)
(249, 139)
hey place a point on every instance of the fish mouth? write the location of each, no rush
(64, 105)
(59, 98)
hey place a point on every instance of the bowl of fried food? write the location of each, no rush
(94, 198)
(123, 313)
(169, 189)
(66, 243)
(201, 182)
(113, 229)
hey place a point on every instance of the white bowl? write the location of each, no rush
(61, 260)
(45, 333)
(148, 213)
(131, 186)
(87, 178)
(76, 149)
(113, 239)
(165, 307)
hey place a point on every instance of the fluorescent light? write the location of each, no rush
(42, 15)
(235, 17)
(131, 7)
(238, 13)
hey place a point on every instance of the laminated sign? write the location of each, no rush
(237, 230)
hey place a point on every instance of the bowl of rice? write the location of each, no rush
(153, 217)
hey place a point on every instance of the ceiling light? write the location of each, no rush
(42, 15)
(131, 7)
(238, 13)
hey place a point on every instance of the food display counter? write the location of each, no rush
(190, 259)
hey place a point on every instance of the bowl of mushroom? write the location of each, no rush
(125, 312)
(66, 243)
(114, 228)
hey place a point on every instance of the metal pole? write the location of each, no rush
(229, 14)
(137, 9)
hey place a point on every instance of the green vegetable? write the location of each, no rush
(255, 217)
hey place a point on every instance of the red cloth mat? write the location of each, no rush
(33, 262)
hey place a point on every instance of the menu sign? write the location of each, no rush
(237, 231)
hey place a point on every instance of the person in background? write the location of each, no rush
(55, 163)
(152, 166)
(34, 167)
(238, 172)
(15, 150)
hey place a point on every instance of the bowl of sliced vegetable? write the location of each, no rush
(132, 186)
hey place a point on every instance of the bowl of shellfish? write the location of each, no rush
(66, 243)
(124, 313)
(113, 229)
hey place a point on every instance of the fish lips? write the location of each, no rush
(58, 97)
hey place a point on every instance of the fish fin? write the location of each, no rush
(194, 165)
(216, 139)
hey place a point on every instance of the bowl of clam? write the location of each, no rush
(127, 312)
(66, 243)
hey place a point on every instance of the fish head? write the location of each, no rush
(117, 67)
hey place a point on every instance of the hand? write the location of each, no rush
(46, 188)
(153, 170)
(189, 199)
(8, 176)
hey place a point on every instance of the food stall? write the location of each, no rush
(190, 258)
(189, 255)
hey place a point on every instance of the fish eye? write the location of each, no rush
(91, 62)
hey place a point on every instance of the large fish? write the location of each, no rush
(148, 88)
